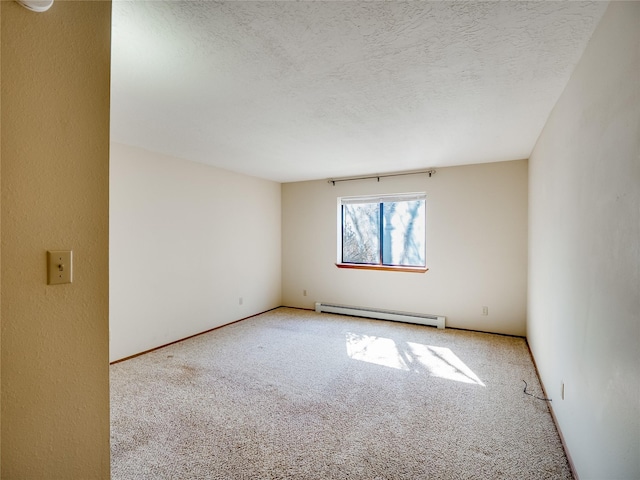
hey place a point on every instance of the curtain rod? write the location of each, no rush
(333, 181)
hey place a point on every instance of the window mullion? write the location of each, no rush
(380, 233)
(342, 229)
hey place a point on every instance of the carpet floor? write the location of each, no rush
(299, 395)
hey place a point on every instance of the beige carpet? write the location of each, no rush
(295, 394)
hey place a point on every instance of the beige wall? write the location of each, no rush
(584, 247)
(476, 247)
(54, 190)
(0, 246)
(187, 241)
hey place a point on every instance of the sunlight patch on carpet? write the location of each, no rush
(409, 356)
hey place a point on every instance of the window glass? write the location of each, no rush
(384, 230)
(361, 233)
(403, 233)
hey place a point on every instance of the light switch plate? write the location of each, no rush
(59, 267)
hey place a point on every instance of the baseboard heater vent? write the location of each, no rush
(418, 318)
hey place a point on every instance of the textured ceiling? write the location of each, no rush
(304, 90)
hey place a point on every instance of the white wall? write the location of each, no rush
(187, 240)
(584, 246)
(476, 247)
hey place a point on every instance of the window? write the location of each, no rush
(385, 232)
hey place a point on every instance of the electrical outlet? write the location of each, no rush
(562, 391)
(485, 310)
(304, 293)
(240, 301)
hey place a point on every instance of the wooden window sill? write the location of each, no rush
(386, 268)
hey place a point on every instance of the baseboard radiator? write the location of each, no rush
(418, 318)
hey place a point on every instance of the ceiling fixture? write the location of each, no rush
(36, 5)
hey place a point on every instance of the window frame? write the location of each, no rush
(380, 199)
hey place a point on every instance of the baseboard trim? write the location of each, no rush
(572, 466)
(298, 308)
(190, 336)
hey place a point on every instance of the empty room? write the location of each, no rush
(320, 239)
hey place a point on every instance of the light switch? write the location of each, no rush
(59, 266)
